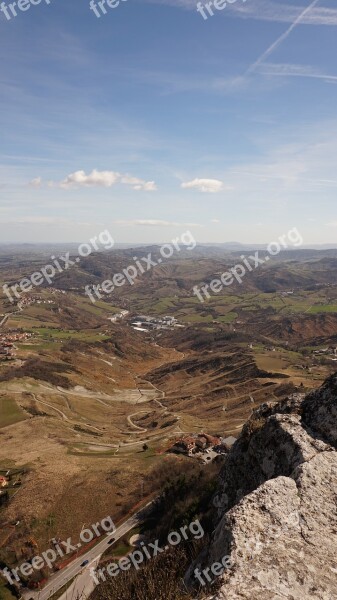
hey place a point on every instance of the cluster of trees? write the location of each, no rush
(186, 496)
(187, 491)
(159, 579)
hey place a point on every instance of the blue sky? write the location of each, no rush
(151, 120)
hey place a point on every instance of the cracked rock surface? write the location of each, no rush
(276, 506)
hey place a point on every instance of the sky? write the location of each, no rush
(151, 120)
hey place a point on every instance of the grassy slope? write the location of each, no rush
(10, 412)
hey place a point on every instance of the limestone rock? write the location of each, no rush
(276, 506)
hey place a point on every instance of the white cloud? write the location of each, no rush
(156, 223)
(204, 185)
(99, 179)
(332, 224)
(147, 186)
(35, 182)
(293, 70)
(267, 10)
(215, 221)
(153, 223)
(139, 184)
(95, 178)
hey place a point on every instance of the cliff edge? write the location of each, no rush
(276, 506)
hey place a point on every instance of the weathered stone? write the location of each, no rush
(277, 505)
(319, 411)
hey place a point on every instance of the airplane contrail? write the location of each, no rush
(281, 39)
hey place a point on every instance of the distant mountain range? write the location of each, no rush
(236, 246)
(46, 248)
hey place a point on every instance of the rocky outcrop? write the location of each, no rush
(319, 411)
(276, 505)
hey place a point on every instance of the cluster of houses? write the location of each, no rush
(3, 491)
(52, 290)
(7, 351)
(9, 480)
(15, 336)
(145, 323)
(203, 446)
(7, 346)
(117, 316)
(27, 300)
(330, 351)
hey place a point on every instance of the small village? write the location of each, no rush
(10, 481)
(330, 352)
(30, 300)
(7, 343)
(202, 446)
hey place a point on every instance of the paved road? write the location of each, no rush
(7, 315)
(59, 579)
(4, 320)
(83, 585)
